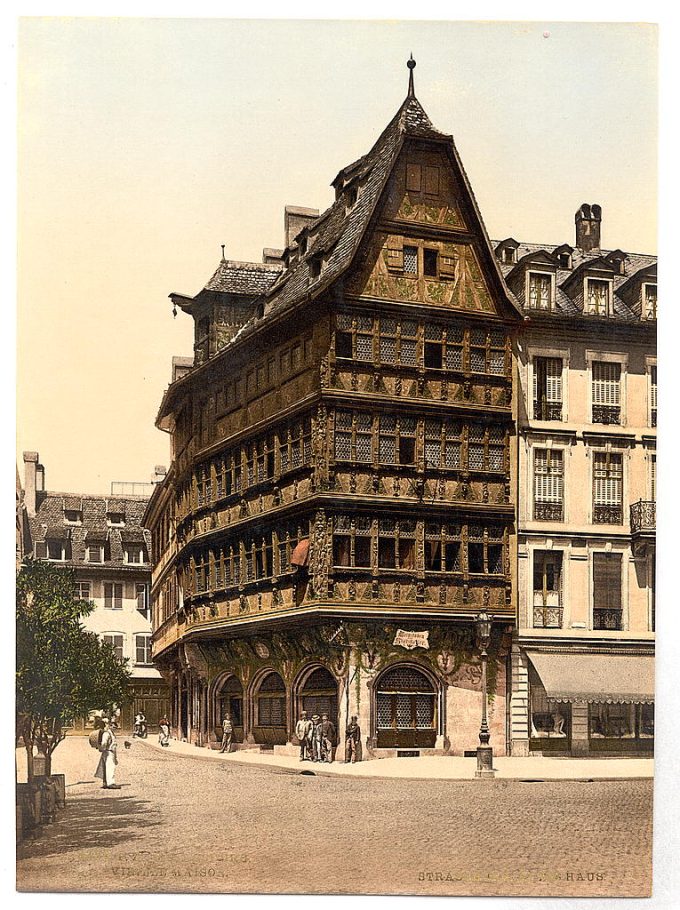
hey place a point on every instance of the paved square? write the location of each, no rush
(191, 824)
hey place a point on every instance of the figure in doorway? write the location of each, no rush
(558, 723)
(303, 730)
(353, 741)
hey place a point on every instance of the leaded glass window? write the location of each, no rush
(408, 342)
(597, 297)
(410, 260)
(540, 291)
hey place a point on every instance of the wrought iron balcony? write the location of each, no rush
(547, 617)
(643, 518)
(610, 620)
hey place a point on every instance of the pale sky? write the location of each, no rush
(145, 144)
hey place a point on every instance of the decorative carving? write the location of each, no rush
(319, 558)
(243, 604)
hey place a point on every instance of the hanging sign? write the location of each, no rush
(411, 640)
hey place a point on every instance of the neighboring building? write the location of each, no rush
(583, 678)
(340, 504)
(101, 538)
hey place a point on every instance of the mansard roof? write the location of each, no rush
(637, 268)
(49, 523)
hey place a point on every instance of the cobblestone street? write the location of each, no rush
(191, 824)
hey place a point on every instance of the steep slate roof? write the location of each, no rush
(580, 260)
(336, 234)
(48, 524)
(247, 278)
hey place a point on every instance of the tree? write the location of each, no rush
(63, 671)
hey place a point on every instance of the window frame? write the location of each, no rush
(605, 357)
(115, 635)
(147, 649)
(551, 452)
(608, 283)
(646, 309)
(606, 586)
(539, 273)
(115, 600)
(609, 454)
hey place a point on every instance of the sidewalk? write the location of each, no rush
(437, 767)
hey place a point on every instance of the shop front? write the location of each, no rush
(581, 703)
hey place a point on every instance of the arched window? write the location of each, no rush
(271, 702)
(319, 694)
(405, 708)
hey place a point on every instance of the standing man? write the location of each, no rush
(303, 731)
(316, 737)
(106, 769)
(227, 733)
(352, 741)
(327, 739)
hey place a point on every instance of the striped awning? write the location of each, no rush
(604, 678)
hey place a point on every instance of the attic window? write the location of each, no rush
(116, 519)
(315, 264)
(73, 517)
(351, 196)
(508, 255)
(302, 245)
(598, 296)
(430, 263)
(410, 260)
(649, 300)
(564, 260)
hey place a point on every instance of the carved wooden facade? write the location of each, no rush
(351, 451)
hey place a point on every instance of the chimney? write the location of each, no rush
(34, 480)
(588, 220)
(294, 219)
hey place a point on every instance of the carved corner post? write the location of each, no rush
(319, 556)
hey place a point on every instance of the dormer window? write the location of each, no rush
(649, 301)
(315, 264)
(135, 554)
(57, 550)
(116, 519)
(302, 245)
(351, 196)
(95, 552)
(598, 297)
(508, 256)
(564, 260)
(73, 517)
(540, 290)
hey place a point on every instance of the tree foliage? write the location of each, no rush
(63, 671)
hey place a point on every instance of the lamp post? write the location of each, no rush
(485, 767)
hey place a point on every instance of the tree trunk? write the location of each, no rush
(29, 761)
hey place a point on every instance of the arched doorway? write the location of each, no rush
(229, 700)
(318, 694)
(270, 726)
(405, 709)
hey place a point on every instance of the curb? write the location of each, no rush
(283, 769)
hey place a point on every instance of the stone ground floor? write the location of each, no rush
(414, 687)
(186, 823)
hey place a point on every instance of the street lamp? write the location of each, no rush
(484, 751)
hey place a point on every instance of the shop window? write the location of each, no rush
(549, 720)
(617, 722)
(271, 702)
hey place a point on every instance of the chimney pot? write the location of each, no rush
(588, 220)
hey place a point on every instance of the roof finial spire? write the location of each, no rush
(410, 63)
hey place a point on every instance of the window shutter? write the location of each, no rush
(448, 265)
(413, 177)
(652, 387)
(41, 549)
(395, 254)
(431, 180)
(606, 383)
(553, 376)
